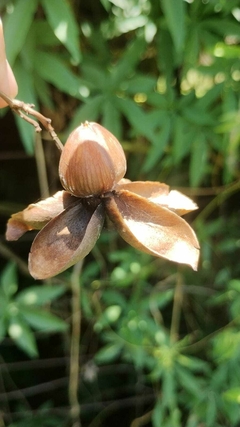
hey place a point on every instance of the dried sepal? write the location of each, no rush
(158, 192)
(65, 240)
(37, 215)
(92, 161)
(152, 228)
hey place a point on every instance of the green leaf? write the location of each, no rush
(39, 295)
(26, 93)
(198, 162)
(97, 77)
(188, 381)
(128, 61)
(232, 395)
(141, 84)
(16, 26)
(174, 11)
(112, 117)
(108, 353)
(44, 35)
(22, 335)
(158, 414)
(62, 20)
(89, 111)
(182, 139)
(165, 53)
(156, 152)
(235, 285)
(52, 69)
(43, 320)
(136, 117)
(3, 327)
(9, 280)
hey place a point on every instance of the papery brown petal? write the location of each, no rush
(153, 228)
(36, 215)
(65, 240)
(92, 161)
(148, 189)
(179, 203)
(158, 192)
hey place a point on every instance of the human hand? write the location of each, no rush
(8, 84)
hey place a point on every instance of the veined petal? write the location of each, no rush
(158, 192)
(153, 228)
(36, 215)
(65, 240)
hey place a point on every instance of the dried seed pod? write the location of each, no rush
(92, 161)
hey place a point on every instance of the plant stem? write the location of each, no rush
(75, 343)
(41, 168)
(177, 307)
(23, 109)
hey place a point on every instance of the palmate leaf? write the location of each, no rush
(54, 70)
(156, 151)
(128, 61)
(111, 117)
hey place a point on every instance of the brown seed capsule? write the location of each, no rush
(92, 161)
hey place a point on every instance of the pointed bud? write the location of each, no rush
(92, 161)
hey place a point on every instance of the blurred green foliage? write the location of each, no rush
(164, 77)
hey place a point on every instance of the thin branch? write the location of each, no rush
(75, 343)
(177, 307)
(23, 110)
(8, 254)
(41, 168)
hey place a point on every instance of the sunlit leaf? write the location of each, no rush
(62, 20)
(16, 27)
(52, 69)
(39, 295)
(232, 395)
(22, 335)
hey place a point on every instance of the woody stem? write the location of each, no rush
(23, 110)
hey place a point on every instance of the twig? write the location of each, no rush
(75, 342)
(143, 420)
(41, 168)
(177, 307)
(8, 254)
(23, 109)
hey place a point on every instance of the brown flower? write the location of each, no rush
(91, 170)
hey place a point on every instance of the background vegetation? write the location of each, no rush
(160, 344)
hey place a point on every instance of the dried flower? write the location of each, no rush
(91, 169)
